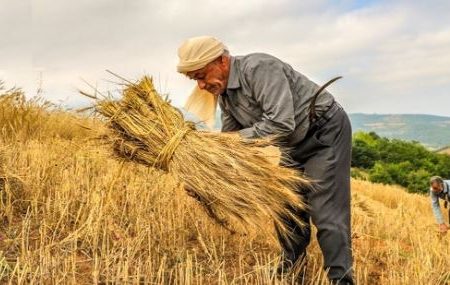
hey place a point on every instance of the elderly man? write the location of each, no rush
(439, 188)
(260, 95)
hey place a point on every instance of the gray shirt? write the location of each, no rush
(435, 201)
(266, 96)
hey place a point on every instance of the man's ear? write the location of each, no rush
(220, 59)
(224, 60)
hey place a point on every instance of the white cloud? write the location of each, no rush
(390, 54)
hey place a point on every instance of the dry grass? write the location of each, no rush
(21, 119)
(69, 214)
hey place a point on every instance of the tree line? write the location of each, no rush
(394, 161)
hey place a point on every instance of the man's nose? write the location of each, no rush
(201, 84)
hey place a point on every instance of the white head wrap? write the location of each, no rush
(195, 53)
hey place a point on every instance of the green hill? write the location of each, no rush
(431, 131)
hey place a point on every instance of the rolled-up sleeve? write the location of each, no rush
(271, 90)
(436, 208)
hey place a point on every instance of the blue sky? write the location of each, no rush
(394, 55)
(358, 4)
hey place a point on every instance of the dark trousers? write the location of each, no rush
(324, 156)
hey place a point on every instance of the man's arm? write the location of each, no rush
(272, 91)
(436, 208)
(229, 123)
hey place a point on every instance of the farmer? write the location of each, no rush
(439, 188)
(260, 95)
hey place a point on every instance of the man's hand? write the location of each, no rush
(443, 228)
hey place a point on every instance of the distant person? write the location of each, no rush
(259, 96)
(439, 188)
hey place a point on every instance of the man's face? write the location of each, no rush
(437, 187)
(214, 76)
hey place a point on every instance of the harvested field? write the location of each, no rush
(72, 214)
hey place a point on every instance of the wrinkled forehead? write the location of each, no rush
(202, 71)
(197, 73)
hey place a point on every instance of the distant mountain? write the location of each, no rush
(431, 131)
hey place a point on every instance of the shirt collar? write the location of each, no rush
(233, 77)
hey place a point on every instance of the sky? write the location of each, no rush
(394, 56)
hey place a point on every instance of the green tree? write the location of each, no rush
(418, 181)
(363, 155)
(380, 174)
(393, 161)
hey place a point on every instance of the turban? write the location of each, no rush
(195, 53)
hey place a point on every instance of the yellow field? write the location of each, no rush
(71, 214)
(445, 150)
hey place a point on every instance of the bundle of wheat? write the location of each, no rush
(233, 179)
